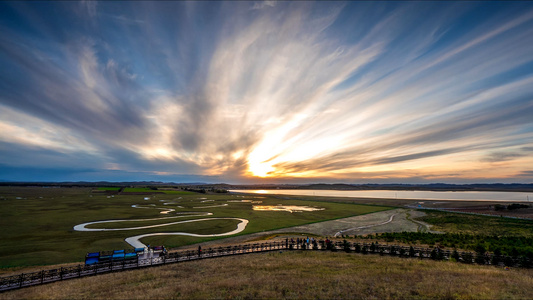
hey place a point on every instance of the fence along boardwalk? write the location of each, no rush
(48, 276)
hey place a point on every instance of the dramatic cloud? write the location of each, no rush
(266, 90)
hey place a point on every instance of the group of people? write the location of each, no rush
(302, 243)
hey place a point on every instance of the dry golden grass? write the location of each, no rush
(317, 275)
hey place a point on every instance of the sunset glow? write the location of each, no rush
(267, 91)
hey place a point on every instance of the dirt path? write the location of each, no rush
(365, 226)
(396, 220)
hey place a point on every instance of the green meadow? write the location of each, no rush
(37, 223)
(149, 190)
(109, 189)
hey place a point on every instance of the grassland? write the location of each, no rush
(38, 222)
(476, 224)
(149, 190)
(108, 189)
(290, 274)
(302, 275)
(513, 237)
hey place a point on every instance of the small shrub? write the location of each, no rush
(402, 252)
(411, 251)
(467, 257)
(508, 261)
(346, 247)
(434, 253)
(455, 255)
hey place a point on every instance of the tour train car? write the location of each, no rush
(92, 258)
(120, 255)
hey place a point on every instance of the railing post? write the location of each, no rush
(61, 273)
(79, 270)
(21, 279)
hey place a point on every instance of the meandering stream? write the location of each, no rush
(135, 242)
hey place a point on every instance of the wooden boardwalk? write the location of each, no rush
(53, 275)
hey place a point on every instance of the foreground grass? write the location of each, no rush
(321, 275)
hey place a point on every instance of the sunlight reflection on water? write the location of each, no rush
(239, 201)
(404, 194)
(289, 208)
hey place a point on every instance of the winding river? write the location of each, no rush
(135, 242)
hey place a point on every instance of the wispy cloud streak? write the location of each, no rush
(351, 91)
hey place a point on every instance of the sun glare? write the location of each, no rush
(261, 169)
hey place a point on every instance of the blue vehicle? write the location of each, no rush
(92, 258)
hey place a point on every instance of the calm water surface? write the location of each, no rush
(418, 195)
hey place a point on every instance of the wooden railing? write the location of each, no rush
(47, 276)
(53, 275)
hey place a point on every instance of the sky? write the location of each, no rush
(266, 91)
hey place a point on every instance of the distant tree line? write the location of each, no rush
(500, 207)
(205, 189)
(502, 245)
(479, 256)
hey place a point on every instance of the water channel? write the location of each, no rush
(415, 195)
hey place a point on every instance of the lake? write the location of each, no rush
(416, 195)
